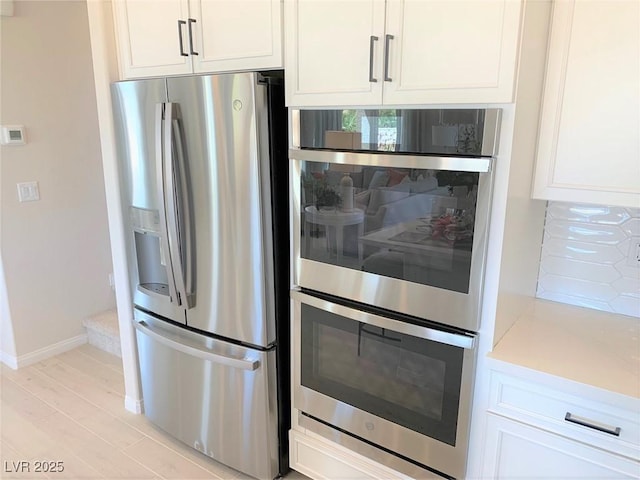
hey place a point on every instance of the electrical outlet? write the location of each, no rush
(634, 252)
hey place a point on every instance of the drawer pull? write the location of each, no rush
(591, 424)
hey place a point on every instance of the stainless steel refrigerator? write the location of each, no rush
(203, 170)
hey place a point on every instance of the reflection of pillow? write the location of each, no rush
(362, 199)
(396, 176)
(424, 185)
(382, 196)
(379, 179)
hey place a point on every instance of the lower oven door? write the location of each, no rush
(401, 386)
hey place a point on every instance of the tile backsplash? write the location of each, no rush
(585, 258)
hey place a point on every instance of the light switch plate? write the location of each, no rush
(28, 192)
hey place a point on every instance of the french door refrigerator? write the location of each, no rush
(203, 170)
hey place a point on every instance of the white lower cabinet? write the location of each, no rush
(540, 427)
(517, 450)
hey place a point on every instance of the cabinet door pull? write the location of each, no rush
(191, 22)
(615, 431)
(180, 24)
(372, 40)
(387, 41)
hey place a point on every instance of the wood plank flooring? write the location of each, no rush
(70, 409)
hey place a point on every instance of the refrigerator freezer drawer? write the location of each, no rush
(217, 397)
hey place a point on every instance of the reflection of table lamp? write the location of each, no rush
(346, 183)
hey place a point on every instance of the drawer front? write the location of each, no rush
(592, 422)
(517, 451)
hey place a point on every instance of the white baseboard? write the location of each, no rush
(43, 353)
(132, 405)
(9, 360)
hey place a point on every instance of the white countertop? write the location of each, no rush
(587, 346)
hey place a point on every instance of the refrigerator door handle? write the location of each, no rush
(204, 354)
(183, 213)
(177, 211)
(164, 237)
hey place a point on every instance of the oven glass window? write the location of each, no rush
(409, 381)
(412, 224)
(449, 132)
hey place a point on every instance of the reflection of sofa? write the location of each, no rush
(386, 205)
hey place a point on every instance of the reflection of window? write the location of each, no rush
(379, 128)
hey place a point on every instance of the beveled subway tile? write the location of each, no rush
(589, 252)
(628, 286)
(577, 301)
(600, 292)
(587, 271)
(632, 227)
(588, 213)
(585, 232)
(634, 212)
(627, 270)
(626, 305)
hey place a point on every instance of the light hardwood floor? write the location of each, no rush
(70, 409)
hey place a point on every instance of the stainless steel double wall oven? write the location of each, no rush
(390, 211)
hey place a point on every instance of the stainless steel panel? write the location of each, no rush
(135, 105)
(462, 164)
(440, 336)
(223, 118)
(222, 409)
(385, 458)
(437, 304)
(403, 441)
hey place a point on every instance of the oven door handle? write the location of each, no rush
(432, 162)
(461, 340)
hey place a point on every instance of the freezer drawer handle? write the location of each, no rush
(243, 364)
(615, 431)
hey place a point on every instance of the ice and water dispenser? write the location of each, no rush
(151, 262)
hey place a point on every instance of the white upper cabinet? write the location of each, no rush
(173, 37)
(237, 35)
(149, 36)
(451, 51)
(400, 52)
(334, 52)
(589, 141)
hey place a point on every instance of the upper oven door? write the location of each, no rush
(403, 232)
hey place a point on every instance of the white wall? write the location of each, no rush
(55, 251)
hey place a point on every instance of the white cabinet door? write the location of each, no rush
(334, 51)
(400, 52)
(451, 52)
(236, 35)
(514, 450)
(148, 37)
(589, 143)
